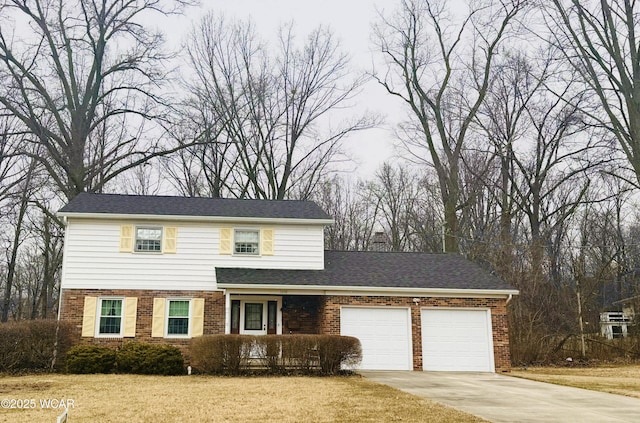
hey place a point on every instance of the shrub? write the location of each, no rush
(34, 345)
(271, 349)
(149, 359)
(278, 354)
(89, 358)
(218, 354)
(334, 352)
(300, 353)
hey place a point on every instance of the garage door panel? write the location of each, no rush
(457, 340)
(384, 333)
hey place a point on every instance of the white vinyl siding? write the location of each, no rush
(93, 258)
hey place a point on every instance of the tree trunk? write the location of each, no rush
(13, 258)
(451, 244)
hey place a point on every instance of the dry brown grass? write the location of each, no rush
(131, 398)
(619, 379)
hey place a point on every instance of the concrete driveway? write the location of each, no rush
(500, 398)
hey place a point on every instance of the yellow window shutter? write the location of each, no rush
(266, 249)
(130, 313)
(169, 242)
(89, 316)
(126, 238)
(225, 241)
(157, 322)
(197, 317)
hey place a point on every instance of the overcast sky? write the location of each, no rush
(350, 21)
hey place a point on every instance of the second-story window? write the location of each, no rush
(246, 241)
(149, 239)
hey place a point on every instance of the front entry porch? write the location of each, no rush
(249, 314)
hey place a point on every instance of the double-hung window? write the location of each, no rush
(148, 239)
(178, 317)
(246, 242)
(110, 318)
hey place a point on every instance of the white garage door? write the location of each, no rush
(457, 340)
(385, 335)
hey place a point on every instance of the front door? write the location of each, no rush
(255, 316)
(253, 320)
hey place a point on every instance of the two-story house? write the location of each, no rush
(167, 269)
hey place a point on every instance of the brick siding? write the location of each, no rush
(300, 314)
(72, 309)
(330, 319)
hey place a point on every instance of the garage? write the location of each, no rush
(457, 340)
(384, 333)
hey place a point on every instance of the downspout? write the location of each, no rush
(509, 298)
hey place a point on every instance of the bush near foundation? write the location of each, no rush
(132, 357)
(220, 354)
(274, 354)
(335, 351)
(149, 359)
(89, 359)
(34, 345)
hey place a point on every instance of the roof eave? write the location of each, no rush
(368, 290)
(219, 219)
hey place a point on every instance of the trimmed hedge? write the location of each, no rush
(275, 354)
(132, 357)
(336, 351)
(89, 358)
(149, 359)
(34, 345)
(220, 354)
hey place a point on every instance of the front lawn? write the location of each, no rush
(132, 398)
(622, 380)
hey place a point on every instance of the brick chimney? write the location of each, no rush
(379, 242)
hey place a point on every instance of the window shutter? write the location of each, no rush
(170, 240)
(225, 241)
(130, 312)
(126, 238)
(157, 323)
(89, 316)
(197, 317)
(266, 249)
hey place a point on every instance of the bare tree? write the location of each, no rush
(354, 211)
(209, 166)
(599, 39)
(275, 104)
(441, 69)
(503, 120)
(83, 81)
(21, 206)
(396, 191)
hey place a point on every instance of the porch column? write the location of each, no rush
(227, 312)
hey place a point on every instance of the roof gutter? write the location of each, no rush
(219, 219)
(367, 290)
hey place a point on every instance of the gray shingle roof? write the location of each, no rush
(192, 206)
(377, 270)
